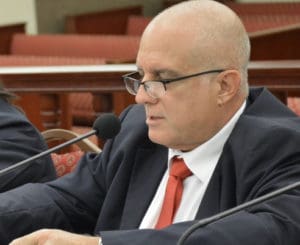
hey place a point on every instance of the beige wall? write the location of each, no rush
(51, 13)
(48, 16)
(18, 11)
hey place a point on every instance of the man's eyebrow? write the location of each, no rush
(160, 72)
(169, 73)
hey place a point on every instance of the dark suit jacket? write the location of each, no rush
(19, 140)
(109, 193)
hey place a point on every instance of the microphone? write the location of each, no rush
(105, 127)
(235, 209)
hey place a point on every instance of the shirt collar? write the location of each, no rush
(203, 159)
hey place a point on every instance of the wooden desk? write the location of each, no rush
(281, 74)
(45, 79)
(281, 77)
(43, 90)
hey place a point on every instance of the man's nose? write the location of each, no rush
(143, 97)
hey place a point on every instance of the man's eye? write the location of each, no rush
(139, 77)
(157, 78)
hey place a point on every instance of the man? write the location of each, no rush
(193, 94)
(19, 140)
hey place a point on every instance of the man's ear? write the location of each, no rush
(229, 85)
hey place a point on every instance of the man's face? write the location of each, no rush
(186, 115)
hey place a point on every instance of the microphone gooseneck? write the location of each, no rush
(106, 126)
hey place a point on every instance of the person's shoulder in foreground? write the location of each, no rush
(19, 140)
(195, 104)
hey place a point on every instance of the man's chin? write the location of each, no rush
(159, 137)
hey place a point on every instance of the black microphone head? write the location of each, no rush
(107, 126)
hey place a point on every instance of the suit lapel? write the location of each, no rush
(149, 168)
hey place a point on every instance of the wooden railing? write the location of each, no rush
(42, 90)
(282, 77)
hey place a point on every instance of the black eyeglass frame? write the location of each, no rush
(166, 81)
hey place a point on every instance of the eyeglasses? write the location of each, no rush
(155, 88)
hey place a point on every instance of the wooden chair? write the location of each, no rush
(112, 48)
(111, 21)
(65, 162)
(6, 34)
(136, 24)
(265, 8)
(268, 15)
(58, 134)
(276, 44)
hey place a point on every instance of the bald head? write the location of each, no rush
(214, 34)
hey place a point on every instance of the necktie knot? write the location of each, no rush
(179, 169)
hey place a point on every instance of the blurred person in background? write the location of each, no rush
(19, 140)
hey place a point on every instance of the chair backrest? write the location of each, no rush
(276, 44)
(65, 163)
(265, 8)
(136, 24)
(111, 21)
(56, 134)
(112, 48)
(6, 34)
(267, 15)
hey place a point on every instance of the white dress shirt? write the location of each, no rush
(202, 162)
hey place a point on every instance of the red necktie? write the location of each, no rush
(178, 173)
